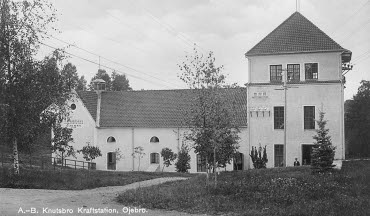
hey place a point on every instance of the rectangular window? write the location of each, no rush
(312, 71)
(275, 73)
(154, 158)
(293, 72)
(279, 155)
(201, 164)
(279, 117)
(309, 117)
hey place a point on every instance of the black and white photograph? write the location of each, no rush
(184, 107)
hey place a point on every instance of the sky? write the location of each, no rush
(148, 39)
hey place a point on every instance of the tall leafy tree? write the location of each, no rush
(212, 116)
(70, 76)
(357, 121)
(120, 82)
(81, 84)
(27, 86)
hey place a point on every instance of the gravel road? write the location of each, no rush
(99, 201)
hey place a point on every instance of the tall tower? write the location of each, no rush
(294, 73)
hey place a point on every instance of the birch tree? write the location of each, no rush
(211, 119)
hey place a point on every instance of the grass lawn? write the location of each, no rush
(70, 179)
(280, 191)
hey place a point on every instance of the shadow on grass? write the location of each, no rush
(280, 191)
(70, 179)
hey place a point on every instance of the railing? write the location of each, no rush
(46, 162)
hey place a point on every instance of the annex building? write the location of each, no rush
(270, 113)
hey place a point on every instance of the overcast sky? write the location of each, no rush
(150, 37)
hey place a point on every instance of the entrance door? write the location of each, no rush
(306, 154)
(238, 161)
(279, 155)
(111, 162)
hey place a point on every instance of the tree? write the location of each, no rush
(211, 119)
(357, 121)
(259, 159)
(70, 76)
(28, 86)
(183, 160)
(60, 142)
(90, 152)
(323, 151)
(81, 84)
(101, 74)
(120, 82)
(168, 157)
(139, 153)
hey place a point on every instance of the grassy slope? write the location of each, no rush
(70, 179)
(290, 191)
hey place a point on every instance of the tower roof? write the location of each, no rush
(295, 35)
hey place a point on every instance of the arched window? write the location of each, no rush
(154, 158)
(111, 139)
(154, 139)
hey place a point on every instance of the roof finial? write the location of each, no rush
(297, 5)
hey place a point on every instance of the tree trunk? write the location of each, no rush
(15, 157)
(207, 170)
(138, 168)
(214, 165)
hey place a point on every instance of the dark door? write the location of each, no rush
(238, 161)
(279, 155)
(306, 154)
(111, 162)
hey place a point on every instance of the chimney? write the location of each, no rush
(99, 87)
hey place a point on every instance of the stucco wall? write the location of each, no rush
(325, 97)
(329, 65)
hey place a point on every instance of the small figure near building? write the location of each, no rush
(296, 162)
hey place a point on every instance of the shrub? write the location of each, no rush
(183, 160)
(259, 160)
(168, 157)
(90, 152)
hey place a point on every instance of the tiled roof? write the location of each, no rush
(90, 100)
(153, 108)
(296, 34)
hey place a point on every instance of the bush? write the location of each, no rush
(259, 160)
(183, 160)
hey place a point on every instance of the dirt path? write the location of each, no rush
(47, 202)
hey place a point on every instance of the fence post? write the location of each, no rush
(54, 163)
(75, 165)
(83, 164)
(30, 162)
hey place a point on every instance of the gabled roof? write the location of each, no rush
(295, 35)
(152, 108)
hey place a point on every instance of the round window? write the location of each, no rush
(73, 106)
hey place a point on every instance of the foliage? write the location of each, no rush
(62, 136)
(357, 118)
(183, 160)
(259, 158)
(90, 152)
(81, 84)
(119, 154)
(120, 82)
(70, 76)
(28, 86)
(323, 151)
(168, 157)
(277, 191)
(139, 153)
(211, 119)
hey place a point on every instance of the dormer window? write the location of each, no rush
(111, 140)
(311, 71)
(154, 139)
(275, 73)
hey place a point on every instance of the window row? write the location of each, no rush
(308, 117)
(293, 72)
(112, 160)
(113, 140)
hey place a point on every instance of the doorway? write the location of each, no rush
(306, 154)
(111, 161)
(238, 161)
(279, 155)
